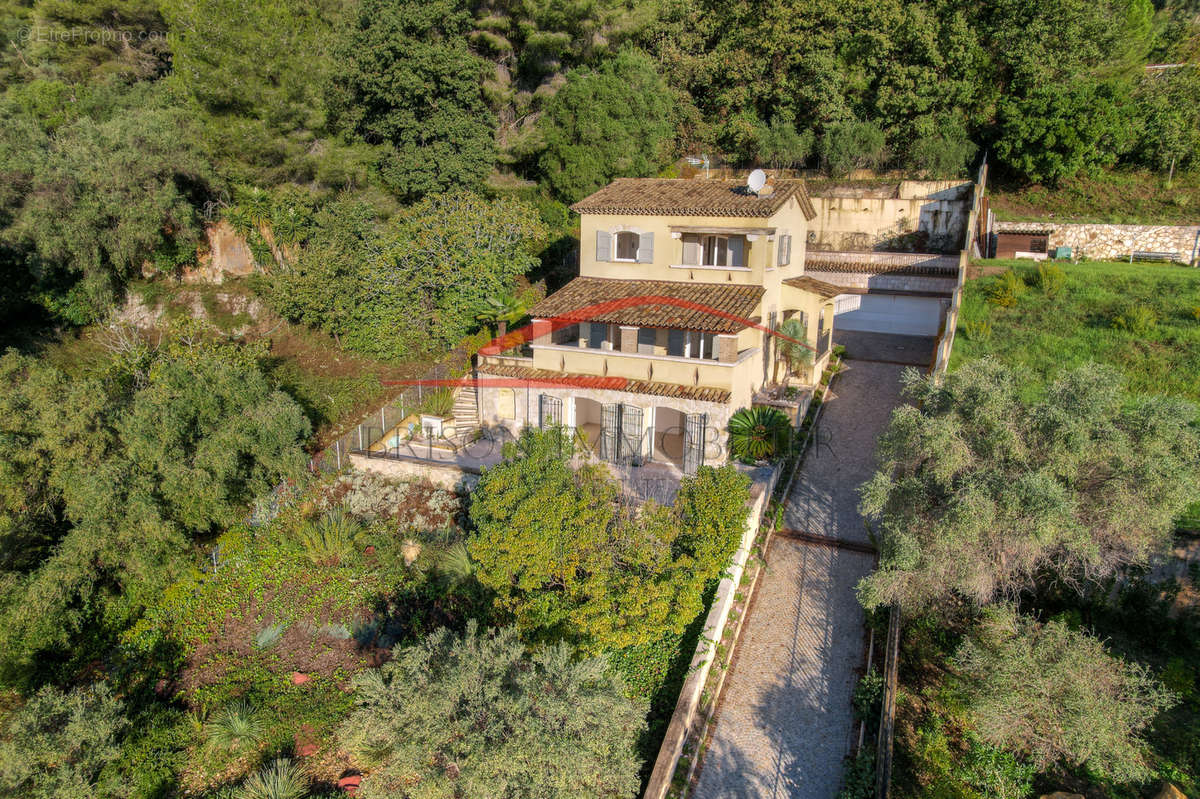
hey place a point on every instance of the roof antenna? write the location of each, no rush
(756, 181)
(702, 160)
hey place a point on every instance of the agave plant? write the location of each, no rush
(757, 433)
(281, 779)
(439, 402)
(268, 636)
(235, 727)
(331, 538)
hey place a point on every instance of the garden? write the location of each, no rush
(352, 631)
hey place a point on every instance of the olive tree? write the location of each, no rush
(479, 715)
(1050, 695)
(979, 492)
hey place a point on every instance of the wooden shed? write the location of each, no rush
(1032, 241)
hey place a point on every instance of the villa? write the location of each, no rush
(667, 330)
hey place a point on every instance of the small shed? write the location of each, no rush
(1024, 241)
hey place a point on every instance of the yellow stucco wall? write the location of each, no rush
(748, 373)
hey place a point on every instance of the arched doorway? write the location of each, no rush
(668, 435)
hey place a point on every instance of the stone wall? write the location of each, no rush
(449, 476)
(897, 216)
(1114, 242)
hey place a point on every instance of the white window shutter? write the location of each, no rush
(780, 250)
(645, 253)
(603, 245)
(789, 249)
(736, 251)
(691, 249)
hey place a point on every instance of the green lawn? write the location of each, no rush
(1047, 334)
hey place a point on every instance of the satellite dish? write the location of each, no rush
(757, 180)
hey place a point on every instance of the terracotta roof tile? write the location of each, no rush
(679, 305)
(819, 287)
(814, 263)
(677, 197)
(649, 387)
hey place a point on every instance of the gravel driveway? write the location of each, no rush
(784, 723)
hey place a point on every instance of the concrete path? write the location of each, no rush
(784, 724)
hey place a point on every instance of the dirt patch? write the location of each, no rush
(315, 645)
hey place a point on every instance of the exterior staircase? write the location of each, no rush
(466, 409)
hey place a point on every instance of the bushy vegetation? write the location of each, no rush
(568, 561)
(1082, 685)
(461, 716)
(980, 493)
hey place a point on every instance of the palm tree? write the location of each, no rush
(503, 310)
(791, 344)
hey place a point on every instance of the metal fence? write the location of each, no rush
(375, 424)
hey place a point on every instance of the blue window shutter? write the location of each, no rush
(736, 252)
(645, 253)
(603, 245)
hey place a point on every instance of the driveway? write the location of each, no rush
(784, 724)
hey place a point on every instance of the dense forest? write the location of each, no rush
(128, 125)
(401, 172)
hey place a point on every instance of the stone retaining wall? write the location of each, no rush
(1114, 242)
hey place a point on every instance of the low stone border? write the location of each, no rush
(675, 768)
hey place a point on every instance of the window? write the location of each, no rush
(692, 344)
(627, 246)
(598, 336)
(715, 251)
(1039, 243)
(647, 338)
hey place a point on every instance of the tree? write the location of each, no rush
(607, 123)
(210, 434)
(1052, 695)
(793, 347)
(135, 462)
(478, 715)
(780, 145)
(406, 79)
(979, 493)
(944, 154)
(255, 74)
(847, 146)
(569, 563)
(1058, 131)
(56, 745)
(442, 259)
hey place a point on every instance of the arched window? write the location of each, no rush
(627, 246)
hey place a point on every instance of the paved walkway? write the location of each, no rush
(784, 724)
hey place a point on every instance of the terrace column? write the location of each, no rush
(629, 336)
(727, 351)
(539, 331)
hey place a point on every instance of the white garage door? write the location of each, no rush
(886, 313)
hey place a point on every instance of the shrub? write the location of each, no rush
(57, 743)
(439, 402)
(758, 433)
(1136, 318)
(268, 636)
(1051, 279)
(868, 696)
(282, 779)
(330, 539)
(978, 330)
(1006, 289)
(1054, 695)
(235, 727)
(479, 715)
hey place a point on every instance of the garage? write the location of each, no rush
(888, 313)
